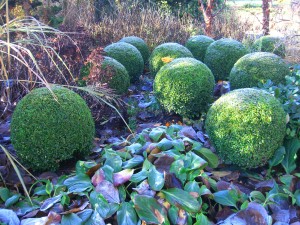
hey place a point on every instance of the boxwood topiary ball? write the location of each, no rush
(129, 56)
(45, 130)
(198, 45)
(270, 44)
(184, 86)
(246, 126)
(140, 44)
(111, 72)
(221, 55)
(171, 50)
(257, 67)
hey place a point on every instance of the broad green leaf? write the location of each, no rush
(108, 173)
(297, 197)
(78, 183)
(244, 205)
(178, 145)
(291, 148)
(135, 161)
(65, 200)
(126, 214)
(182, 199)
(193, 162)
(25, 207)
(192, 186)
(165, 144)
(113, 160)
(257, 196)
(156, 134)
(49, 187)
(85, 215)
(147, 164)
(138, 177)
(149, 209)
(278, 157)
(50, 202)
(4, 193)
(205, 191)
(95, 219)
(12, 200)
(71, 219)
(156, 179)
(134, 148)
(40, 190)
(83, 166)
(173, 214)
(100, 204)
(209, 156)
(177, 167)
(201, 219)
(122, 193)
(226, 197)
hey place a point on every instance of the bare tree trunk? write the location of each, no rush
(208, 15)
(266, 17)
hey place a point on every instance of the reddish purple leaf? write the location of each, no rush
(122, 177)
(98, 177)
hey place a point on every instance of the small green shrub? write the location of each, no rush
(198, 45)
(246, 126)
(129, 56)
(171, 50)
(270, 44)
(46, 131)
(221, 55)
(184, 86)
(257, 67)
(140, 44)
(111, 72)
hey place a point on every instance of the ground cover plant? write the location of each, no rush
(163, 168)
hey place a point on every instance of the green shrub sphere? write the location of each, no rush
(221, 55)
(46, 130)
(198, 45)
(246, 126)
(184, 86)
(171, 50)
(129, 56)
(257, 67)
(140, 44)
(270, 44)
(112, 72)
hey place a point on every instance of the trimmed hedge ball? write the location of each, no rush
(257, 67)
(184, 86)
(112, 72)
(246, 126)
(171, 50)
(129, 56)
(198, 45)
(46, 131)
(270, 44)
(221, 55)
(140, 44)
